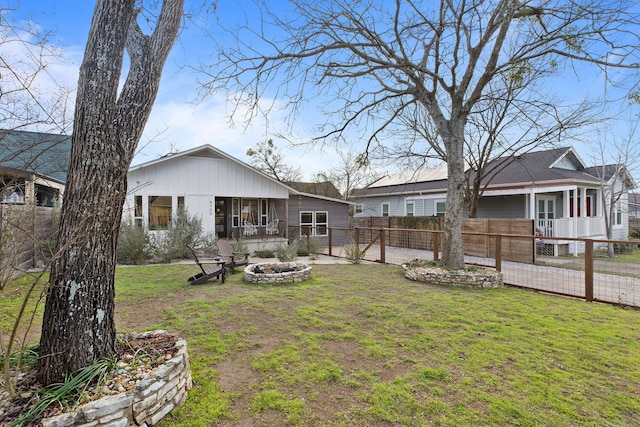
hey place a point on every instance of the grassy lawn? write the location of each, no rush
(359, 345)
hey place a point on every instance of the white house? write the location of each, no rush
(232, 199)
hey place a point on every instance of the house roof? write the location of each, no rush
(548, 166)
(43, 154)
(324, 188)
(208, 150)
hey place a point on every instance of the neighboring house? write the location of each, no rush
(553, 187)
(634, 205)
(232, 199)
(33, 167)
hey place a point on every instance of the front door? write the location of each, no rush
(221, 217)
(545, 214)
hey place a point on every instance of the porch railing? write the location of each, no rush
(581, 227)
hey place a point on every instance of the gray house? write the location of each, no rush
(552, 187)
(232, 199)
(33, 167)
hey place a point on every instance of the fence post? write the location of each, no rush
(382, 246)
(588, 269)
(436, 246)
(330, 230)
(498, 252)
(356, 237)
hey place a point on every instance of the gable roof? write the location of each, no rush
(38, 153)
(210, 151)
(557, 164)
(539, 166)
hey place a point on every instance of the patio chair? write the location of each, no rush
(249, 228)
(219, 271)
(272, 227)
(232, 259)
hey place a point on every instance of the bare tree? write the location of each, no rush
(268, 158)
(353, 171)
(616, 158)
(373, 57)
(78, 326)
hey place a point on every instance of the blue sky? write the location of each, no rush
(177, 123)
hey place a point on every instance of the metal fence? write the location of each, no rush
(605, 270)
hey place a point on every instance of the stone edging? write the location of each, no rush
(301, 273)
(146, 404)
(482, 278)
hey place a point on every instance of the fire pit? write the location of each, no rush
(279, 272)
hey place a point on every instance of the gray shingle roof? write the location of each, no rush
(34, 152)
(535, 167)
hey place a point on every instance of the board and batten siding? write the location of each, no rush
(199, 180)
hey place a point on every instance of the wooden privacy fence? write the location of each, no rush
(478, 234)
(25, 235)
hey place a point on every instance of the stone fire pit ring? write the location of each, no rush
(276, 272)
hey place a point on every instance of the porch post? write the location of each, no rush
(575, 219)
(286, 224)
(532, 207)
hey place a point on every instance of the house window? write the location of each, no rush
(235, 212)
(385, 209)
(359, 208)
(409, 208)
(159, 212)
(137, 211)
(321, 223)
(12, 190)
(440, 208)
(314, 223)
(264, 212)
(250, 211)
(12, 196)
(589, 202)
(617, 213)
(46, 196)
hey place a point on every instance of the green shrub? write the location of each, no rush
(172, 244)
(265, 253)
(635, 234)
(308, 246)
(287, 253)
(133, 243)
(353, 253)
(207, 244)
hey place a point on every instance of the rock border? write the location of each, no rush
(300, 273)
(477, 277)
(145, 405)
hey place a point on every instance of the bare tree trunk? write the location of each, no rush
(78, 326)
(452, 252)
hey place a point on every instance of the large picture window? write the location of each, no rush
(159, 212)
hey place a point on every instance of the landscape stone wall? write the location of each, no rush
(477, 278)
(145, 405)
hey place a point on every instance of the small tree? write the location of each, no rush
(268, 158)
(616, 159)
